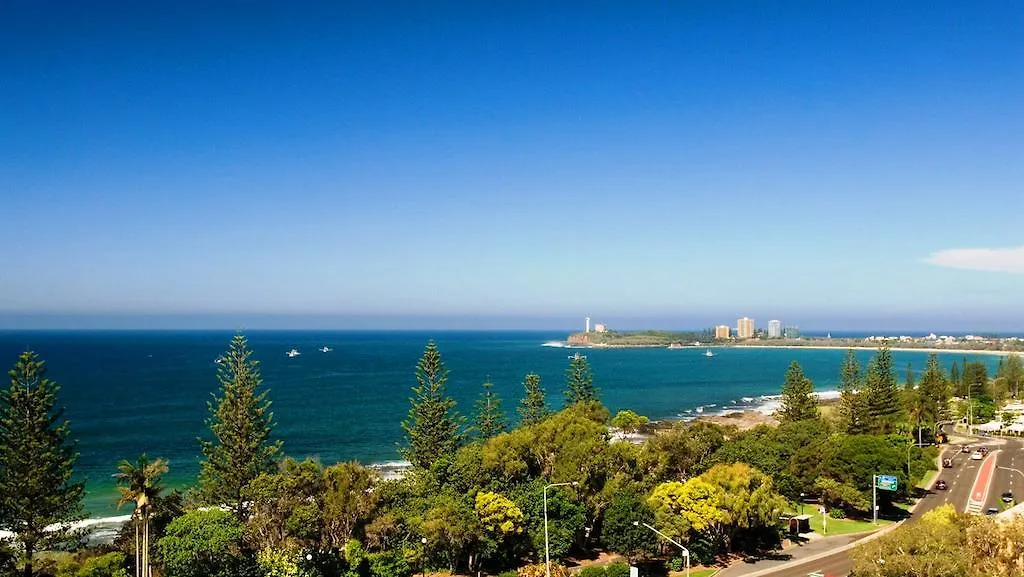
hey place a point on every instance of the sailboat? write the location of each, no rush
(708, 353)
(293, 353)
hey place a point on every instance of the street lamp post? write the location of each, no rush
(547, 550)
(686, 552)
(423, 556)
(801, 503)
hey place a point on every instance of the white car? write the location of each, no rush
(976, 456)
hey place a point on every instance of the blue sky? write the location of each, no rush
(450, 165)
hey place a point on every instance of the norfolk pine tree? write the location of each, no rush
(933, 393)
(883, 399)
(490, 420)
(798, 400)
(534, 406)
(241, 423)
(853, 410)
(432, 426)
(579, 382)
(38, 500)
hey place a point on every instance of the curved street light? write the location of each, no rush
(686, 552)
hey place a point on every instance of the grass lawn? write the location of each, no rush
(700, 573)
(841, 526)
(927, 479)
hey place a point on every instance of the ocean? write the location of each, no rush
(128, 392)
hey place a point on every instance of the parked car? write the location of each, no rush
(940, 485)
(976, 456)
(1007, 497)
(947, 463)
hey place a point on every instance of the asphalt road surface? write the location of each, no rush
(960, 478)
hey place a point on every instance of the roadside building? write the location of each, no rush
(774, 330)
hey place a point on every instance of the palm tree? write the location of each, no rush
(139, 483)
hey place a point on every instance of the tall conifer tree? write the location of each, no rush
(534, 406)
(798, 400)
(490, 419)
(38, 499)
(579, 382)
(432, 428)
(853, 411)
(883, 398)
(241, 423)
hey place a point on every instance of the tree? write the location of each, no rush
(853, 409)
(38, 499)
(682, 507)
(490, 420)
(908, 382)
(798, 400)
(749, 503)
(286, 507)
(579, 382)
(954, 379)
(975, 378)
(432, 426)
(834, 494)
(628, 421)
(349, 500)
(241, 423)
(684, 451)
(139, 484)
(618, 531)
(883, 399)
(933, 393)
(1013, 375)
(203, 543)
(534, 406)
(935, 546)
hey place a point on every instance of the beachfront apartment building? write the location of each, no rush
(745, 328)
(722, 331)
(774, 330)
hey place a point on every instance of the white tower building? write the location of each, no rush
(588, 324)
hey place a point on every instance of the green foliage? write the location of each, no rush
(432, 427)
(591, 571)
(798, 400)
(451, 528)
(616, 569)
(1012, 376)
(836, 495)
(933, 393)
(283, 510)
(853, 407)
(682, 507)
(106, 565)
(498, 515)
(203, 543)
(566, 518)
(512, 573)
(628, 421)
(579, 382)
(490, 420)
(883, 399)
(534, 406)
(241, 423)
(388, 564)
(282, 563)
(975, 379)
(349, 500)
(619, 533)
(37, 459)
(684, 451)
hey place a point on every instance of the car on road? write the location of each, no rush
(965, 449)
(1007, 497)
(983, 450)
(947, 463)
(976, 456)
(940, 485)
(992, 511)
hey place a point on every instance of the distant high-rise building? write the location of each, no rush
(774, 330)
(588, 325)
(600, 328)
(744, 328)
(722, 331)
(791, 332)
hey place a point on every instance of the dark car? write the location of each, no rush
(965, 449)
(947, 463)
(1007, 497)
(992, 511)
(940, 485)
(983, 450)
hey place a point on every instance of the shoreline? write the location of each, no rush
(867, 348)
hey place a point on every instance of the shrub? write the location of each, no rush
(837, 513)
(202, 544)
(388, 564)
(675, 564)
(591, 571)
(512, 573)
(617, 569)
(538, 570)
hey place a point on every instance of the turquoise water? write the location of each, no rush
(133, 392)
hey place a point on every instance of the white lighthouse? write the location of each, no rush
(588, 324)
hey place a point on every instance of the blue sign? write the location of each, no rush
(886, 482)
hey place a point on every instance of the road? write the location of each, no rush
(961, 479)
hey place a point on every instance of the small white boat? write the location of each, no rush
(293, 353)
(219, 360)
(708, 353)
(325, 349)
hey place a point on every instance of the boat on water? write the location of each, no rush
(293, 353)
(325, 349)
(708, 353)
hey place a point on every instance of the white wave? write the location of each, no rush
(558, 344)
(78, 525)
